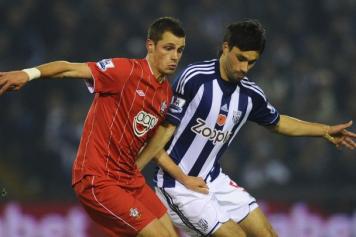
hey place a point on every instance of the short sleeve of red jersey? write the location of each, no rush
(109, 75)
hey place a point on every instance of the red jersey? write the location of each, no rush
(129, 105)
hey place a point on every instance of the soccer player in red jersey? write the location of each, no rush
(131, 99)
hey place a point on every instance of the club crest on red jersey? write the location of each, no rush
(135, 213)
(143, 122)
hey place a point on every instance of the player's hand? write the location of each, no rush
(196, 184)
(340, 136)
(12, 81)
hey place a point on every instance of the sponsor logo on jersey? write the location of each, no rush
(221, 119)
(135, 213)
(163, 107)
(140, 93)
(213, 135)
(236, 116)
(104, 64)
(177, 104)
(143, 122)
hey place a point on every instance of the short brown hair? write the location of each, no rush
(163, 24)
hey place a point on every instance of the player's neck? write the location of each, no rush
(159, 76)
(223, 73)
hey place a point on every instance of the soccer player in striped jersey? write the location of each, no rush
(212, 101)
(131, 100)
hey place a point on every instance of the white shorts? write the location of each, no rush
(202, 214)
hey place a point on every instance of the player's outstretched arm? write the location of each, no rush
(193, 183)
(15, 80)
(336, 134)
(155, 144)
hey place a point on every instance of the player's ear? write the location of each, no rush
(150, 45)
(225, 47)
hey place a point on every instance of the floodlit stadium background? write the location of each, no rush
(307, 187)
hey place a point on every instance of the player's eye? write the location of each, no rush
(241, 58)
(180, 50)
(251, 62)
(168, 48)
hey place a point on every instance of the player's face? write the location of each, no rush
(236, 63)
(166, 53)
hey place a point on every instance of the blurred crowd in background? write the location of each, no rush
(306, 71)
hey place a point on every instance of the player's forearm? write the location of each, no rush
(167, 164)
(294, 127)
(15, 80)
(59, 69)
(155, 145)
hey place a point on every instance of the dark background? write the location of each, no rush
(306, 71)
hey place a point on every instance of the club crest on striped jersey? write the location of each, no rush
(236, 116)
(104, 64)
(143, 122)
(177, 104)
(221, 120)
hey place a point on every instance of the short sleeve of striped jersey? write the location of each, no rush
(262, 111)
(184, 90)
(109, 75)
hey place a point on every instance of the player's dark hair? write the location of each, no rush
(247, 35)
(163, 24)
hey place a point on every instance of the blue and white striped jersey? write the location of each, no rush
(208, 113)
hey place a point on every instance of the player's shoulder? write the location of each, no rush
(252, 89)
(205, 63)
(200, 67)
(107, 63)
(195, 75)
(127, 61)
(199, 71)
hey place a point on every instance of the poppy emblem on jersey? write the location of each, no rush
(236, 116)
(135, 213)
(221, 119)
(105, 64)
(143, 122)
(163, 107)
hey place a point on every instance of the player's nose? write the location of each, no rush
(174, 55)
(244, 67)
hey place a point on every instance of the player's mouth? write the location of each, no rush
(172, 66)
(240, 76)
